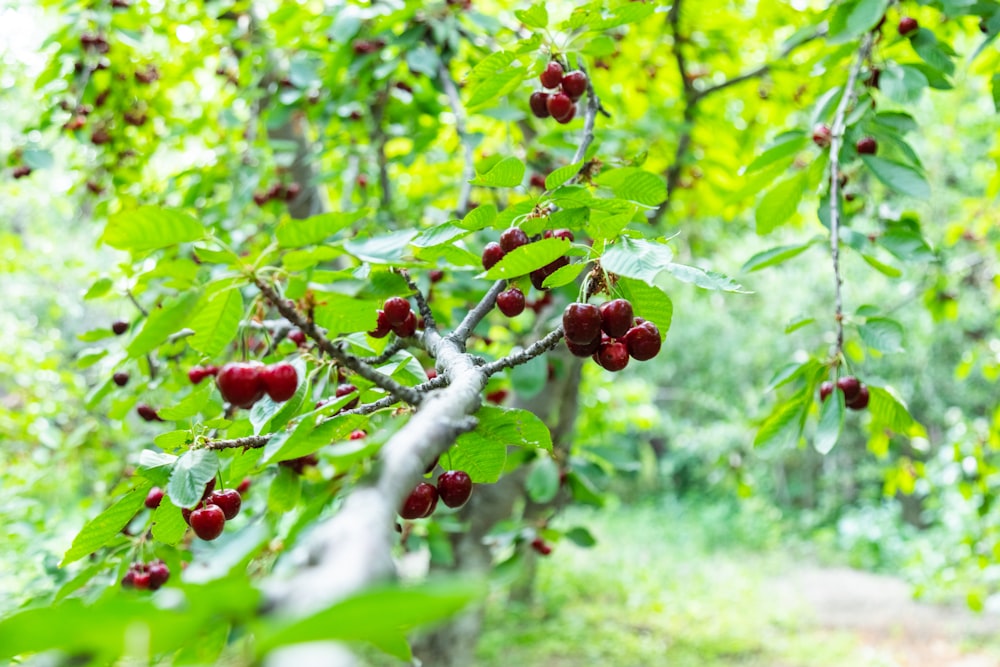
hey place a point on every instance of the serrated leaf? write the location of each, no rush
(390, 248)
(527, 258)
(341, 314)
(535, 16)
(882, 334)
(315, 229)
(564, 275)
(776, 256)
(710, 280)
(442, 234)
(906, 244)
(506, 173)
(899, 177)
(192, 472)
(108, 524)
(778, 425)
(926, 45)
(650, 303)
(480, 217)
(483, 458)
(216, 321)
(308, 437)
(542, 483)
(634, 184)
(779, 204)
(168, 524)
(171, 441)
(285, 490)
(150, 228)
(903, 84)
(189, 406)
(520, 428)
(890, 412)
(165, 319)
(580, 536)
(489, 89)
(785, 147)
(101, 287)
(831, 420)
(561, 175)
(637, 258)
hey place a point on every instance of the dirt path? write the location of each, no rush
(898, 630)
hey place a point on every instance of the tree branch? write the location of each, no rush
(422, 305)
(525, 355)
(309, 328)
(476, 315)
(590, 117)
(387, 354)
(836, 142)
(468, 164)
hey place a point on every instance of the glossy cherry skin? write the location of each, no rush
(538, 276)
(908, 25)
(574, 84)
(228, 500)
(539, 104)
(119, 327)
(511, 302)
(357, 434)
(560, 106)
(240, 383)
(147, 413)
(420, 501)
(825, 390)
(208, 522)
(158, 574)
(643, 341)
(860, 402)
(616, 317)
(539, 545)
(513, 238)
(612, 356)
(120, 378)
(396, 309)
(154, 497)
(850, 385)
(559, 234)
(866, 146)
(822, 135)
(280, 381)
(584, 350)
(408, 327)
(581, 323)
(454, 487)
(492, 254)
(244, 486)
(552, 76)
(382, 326)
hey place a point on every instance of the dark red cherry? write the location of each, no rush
(581, 323)
(420, 501)
(228, 500)
(344, 390)
(866, 146)
(119, 327)
(539, 104)
(280, 381)
(147, 413)
(539, 545)
(511, 302)
(643, 341)
(825, 390)
(560, 106)
(850, 385)
(120, 378)
(584, 350)
(240, 383)
(860, 402)
(513, 238)
(822, 135)
(574, 84)
(492, 254)
(616, 317)
(208, 522)
(396, 309)
(612, 356)
(552, 76)
(408, 327)
(454, 487)
(158, 574)
(154, 497)
(908, 25)
(244, 486)
(382, 326)
(559, 234)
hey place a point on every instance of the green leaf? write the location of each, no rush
(308, 437)
(634, 184)
(527, 258)
(442, 234)
(298, 233)
(926, 45)
(480, 217)
(854, 18)
(164, 319)
(101, 287)
(882, 334)
(995, 81)
(192, 472)
(580, 536)
(831, 420)
(637, 258)
(650, 303)
(561, 175)
(709, 280)
(906, 244)
(542, 483)
(786, 146)
(902, 83)
(168, 524)
(388, 248)
(881, 267)
(564, 275)
(37, 158)
(899, 177)
(423, 59)
(890, 412)
(107, 525)
(267, 416)
(510, 426)
(535, 16)
(529, 379)
(506, 173)
(777, 255)
(190, 405)
(341, 314)
(285, 490)
(780, 203)
(503, 82)
(216, 320)
(482, 457)
(778, 425)
(150, 228)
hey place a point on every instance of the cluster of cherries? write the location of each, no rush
(454, 488)
(513, 238)
(146, 576)
(245, 383)
(822, 136)
(395, 316)
(277, 191)
(561, 104)
(855, 392)
(609, 333)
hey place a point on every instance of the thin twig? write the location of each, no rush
(836, 141)
(527, 354)
(468, 163)
(309, 328)
(590, 117)
(387, 354)
(422, 305)
(476, 315)
(135, 302)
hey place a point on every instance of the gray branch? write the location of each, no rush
(476, 315)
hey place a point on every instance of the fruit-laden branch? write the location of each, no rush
(468, 168)
(309, 328)
(422, 305)
(476, 315)
(836, 142)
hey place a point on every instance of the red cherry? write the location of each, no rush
(822, 135)
(209, 487)
(581, 323)
(158, 574)
(564, 234)
(408, 327)
(147, 413)
(154, 497)
(860, 402)
(825, 390)
(297, 337)
(850, 385)
(431, 373)
(208, 522)
(643, 341)
(396, 309)
(240, 383)
(511, 302)
(539, 545)
(612, 356)
(497, 397)
(574, 84)
(244, 486)
(196, 374)
(128, 581)
(120, 378)
(228, 500)
(537, 181)
(560, 106)
(436, 275)
(186, 513)
(454, 487)
(568, 117)
(908, 25)
(292, 191)
(420, 501)
(492, 254)
(552, 76)
(280, 381)
(584, 350)
(344, 390)
(866, 146)
(616, 317)
(382, 327)
(140, 580)
(513, 238)
(538, 276)
(357, 434)
(539, 104)
(119, 327)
